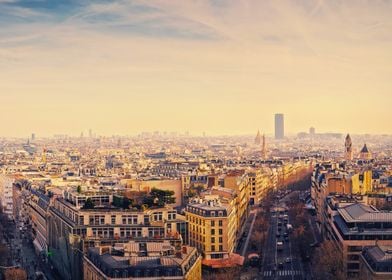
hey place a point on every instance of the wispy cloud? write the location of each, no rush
(229, 52)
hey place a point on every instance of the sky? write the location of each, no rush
(214, 66)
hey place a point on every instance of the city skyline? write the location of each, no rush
(221, 67)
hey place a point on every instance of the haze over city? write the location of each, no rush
(220, 67)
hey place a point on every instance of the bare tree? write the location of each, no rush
(15, 274)
(328, 263)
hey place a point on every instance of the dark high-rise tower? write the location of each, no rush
(279, 126)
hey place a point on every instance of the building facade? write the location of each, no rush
(142, 260)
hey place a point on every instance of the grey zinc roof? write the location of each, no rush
(379, 253)
(363, 213)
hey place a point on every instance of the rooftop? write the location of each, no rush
(142, 259)
(358, 212)
(378, 258)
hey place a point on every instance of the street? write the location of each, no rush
(22, 254)
(279, 261)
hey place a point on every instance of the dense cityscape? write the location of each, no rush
(175, 206)
(195, 140)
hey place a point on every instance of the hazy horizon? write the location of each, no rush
(223, 67)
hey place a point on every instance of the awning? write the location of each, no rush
(231, 261)
(37, 245)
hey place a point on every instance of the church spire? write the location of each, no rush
(348, 153)
(264, 149)
(258, 138)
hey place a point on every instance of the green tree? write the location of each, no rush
(126, 203)
(159, 198)
(79, 189)
(89, 204)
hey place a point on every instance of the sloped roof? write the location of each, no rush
(359, 212)
(364, 149)
(380, 253)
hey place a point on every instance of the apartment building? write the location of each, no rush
(259, 184)
(142, 260)
(353, 226)
(73, 228)
(6, 194)
(376, 263)
(213, 227)
(238, 181)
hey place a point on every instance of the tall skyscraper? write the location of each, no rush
(32, 136)
(279, 126)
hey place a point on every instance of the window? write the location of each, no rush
(212, 231)
(212, 223)
(212, 239)
(353, 257)
(220, 239)
(353, 266)
(220, 248)
(220, 231)
(213, 248)
(172, 216)
(158, 216)
(113, 218)
(354, 248)
(220, 223)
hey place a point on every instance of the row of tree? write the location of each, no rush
(155, 198)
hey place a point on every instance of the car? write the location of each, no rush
(279, 228)
(280, 264)
(285, 234)
(279, 245)
(286, 239)
(315, 244)
(278, 234)
(288, 260)
(40, 275)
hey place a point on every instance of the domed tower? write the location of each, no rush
(348, 153)
(365, 153)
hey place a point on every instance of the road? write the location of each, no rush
(22, 254)
(280, 263)
(242, 247)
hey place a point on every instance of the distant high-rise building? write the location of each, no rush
(279, 126)
(90, 133)
(348, 153)
(32, 136)
(312, 131)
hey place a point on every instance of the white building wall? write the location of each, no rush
(6, 201)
